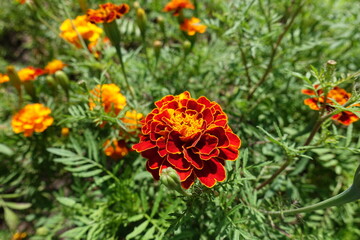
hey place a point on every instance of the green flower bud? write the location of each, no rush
(171, 180)
(141, 20)
(63, 80)
(187, 47)
(157, 47)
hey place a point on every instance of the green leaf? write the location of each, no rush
(6, 150)
(137, 230)
(61, 152)
(17, 206)
(11, 219)
(69, 202)
(88, 174)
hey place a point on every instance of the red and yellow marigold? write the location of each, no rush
(84, 28)
(107, 13)
(32, 118)
(109, 96)
(4, 78)
(177, 5)
(192, 26)
(189, 135)
(132, 119)
(54, 66)
(29, 73)
(115, 149)
(338, 95)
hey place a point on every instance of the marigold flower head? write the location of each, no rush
(192, 136)
(192, 26)
(86, 30)
(177, 5)
(19, 236)
(335, 95)
(32, 118)
(109, 96)
(4, 78)
(29, 73)
(54, 66)
(107, 12)
(115, 149)
(65, 131)
(132, 119)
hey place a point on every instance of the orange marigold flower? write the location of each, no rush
(338, 95)
(84, 28)
(65, 131)
(32, 118)
(29, 73)
(192, 26)
(4, 78)
(107, 13)
(109, 96)
(19, 236)
(54, 66)
(177, 5)
(132, 119)
(115, 149)
(192, 136)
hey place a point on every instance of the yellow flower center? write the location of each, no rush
(186, 124)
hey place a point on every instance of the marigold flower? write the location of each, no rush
(132, 119)
(32, 118)
(109, 96)
(65, 131)
(84, 28)
(190, 135)
(4, 78)
(29, 73)
(177, 5)
(107, 13)
(54, 66)
(19, 236)
(337, 95)
(115, 149)
(192, 26)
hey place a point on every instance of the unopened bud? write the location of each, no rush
(187, 47)
(141, 20)
(161, 22)
(157, 47)
(136, 4)
(171, 180)
(63, 80)
(329, 70)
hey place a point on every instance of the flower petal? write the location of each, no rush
(193, 158)
(178, 161)
(212, 173)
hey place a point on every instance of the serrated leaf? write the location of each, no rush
(75, 233)
(135, 218)
(88, 174)
(80, 168)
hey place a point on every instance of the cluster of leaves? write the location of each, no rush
(254, 59)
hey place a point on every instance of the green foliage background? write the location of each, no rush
(75, 192)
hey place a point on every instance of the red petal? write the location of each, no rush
(307, 92)
(192, 104)
(164, 100)
(154, 159)
(154, 172)
(161, 144)
(193, 158)
(234, 139)
(229, 153)
(144, 145)
(207, 144)
(212, 172)
(312, 103)
(213, 154)
(208, 116)
(184, 174)
(173, 144)
(205, 101)
(189, 181)
(178, 161)
(220, 133)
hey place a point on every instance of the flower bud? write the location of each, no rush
(141, 20)
(161, 22)
(62, 79)
(136, 4)
(329, 70)
(157, 47)
(187, 47)
(65, 132)
(171, 180)
(30, 89)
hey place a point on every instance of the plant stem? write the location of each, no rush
(273, 54)
(269, 180)
(118, 51)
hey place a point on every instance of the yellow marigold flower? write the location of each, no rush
(54, 66)
(65, 131)
(192, 26)
(107, 12)
(4, 78)
(115, 149)
(29, 73)
(86, 30)
(132, 119)
(177, 5)
(32, 118)
(19, 236)
(109, 96)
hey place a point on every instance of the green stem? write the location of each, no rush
(349, 195)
